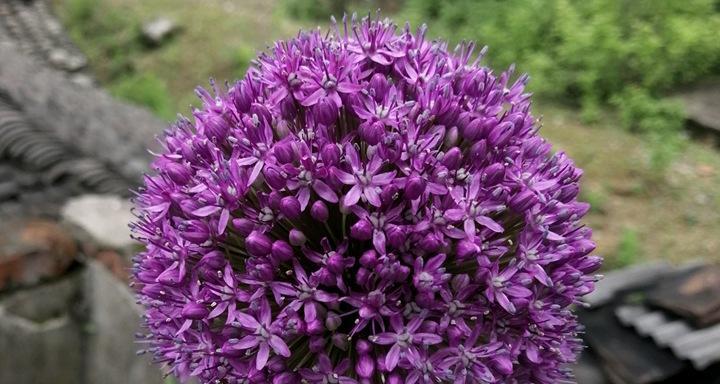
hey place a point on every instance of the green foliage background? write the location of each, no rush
(584, 51)
(595, 53)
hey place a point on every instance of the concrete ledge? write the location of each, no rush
(77, 329)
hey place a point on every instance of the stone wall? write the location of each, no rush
(41, 333)
(77, 329)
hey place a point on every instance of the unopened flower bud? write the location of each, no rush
(290, 207)
(473, 130)
(284, 152)
(330, 154)
(523, 200)
(362, 230)
(242, 96)
(371, 133)
(379, 85)
(415, 187)
(273, 199)
(365, 366)
(296, 237)
(466, 249)
(340, 341)
(316, 344)
(368, 258)
(326, 112)
(315, 327)
(274, 177)
(258, 244)
(194, 311)
(452, 158)
(396, 235)
(214, 260)
(362, 276)
(319, 211)
(282, 251)
(177, 172)
(243, 226)
(493, 174)
(430, 243)
(389, 194)
(452, 136)
(363, 347)
(332, 321)
(500, 134)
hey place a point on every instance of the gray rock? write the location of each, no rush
(82, 80)
(64, 60)
(158, 30)
(702, 104)
(104, 217)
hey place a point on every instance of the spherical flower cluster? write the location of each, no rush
(365, 206)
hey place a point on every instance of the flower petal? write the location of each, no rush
(255, 172)
(262, 356)
(313, 98)
(384, 178)
(348, 87)
(490, 224)
(392, 358)
(454, 214)
(222, 223)
(428, 338)
(379, 241)
(505, 302)
(353, 196)
(206, 211)
(279, 346)
(247, 321)
(372, 196)
(324, 191)
(343, 176)
(310, 311)
(247, 342)
(518, 291)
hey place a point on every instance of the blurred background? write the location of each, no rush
(629, 88)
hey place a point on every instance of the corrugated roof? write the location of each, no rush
(644, 324)
(32, 26)
(59, 137)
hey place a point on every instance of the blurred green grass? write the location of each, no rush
(653, 195)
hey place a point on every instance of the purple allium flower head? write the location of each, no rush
(365, 206)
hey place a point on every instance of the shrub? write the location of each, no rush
(587, 51)
(640, 112)
(659, 121)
